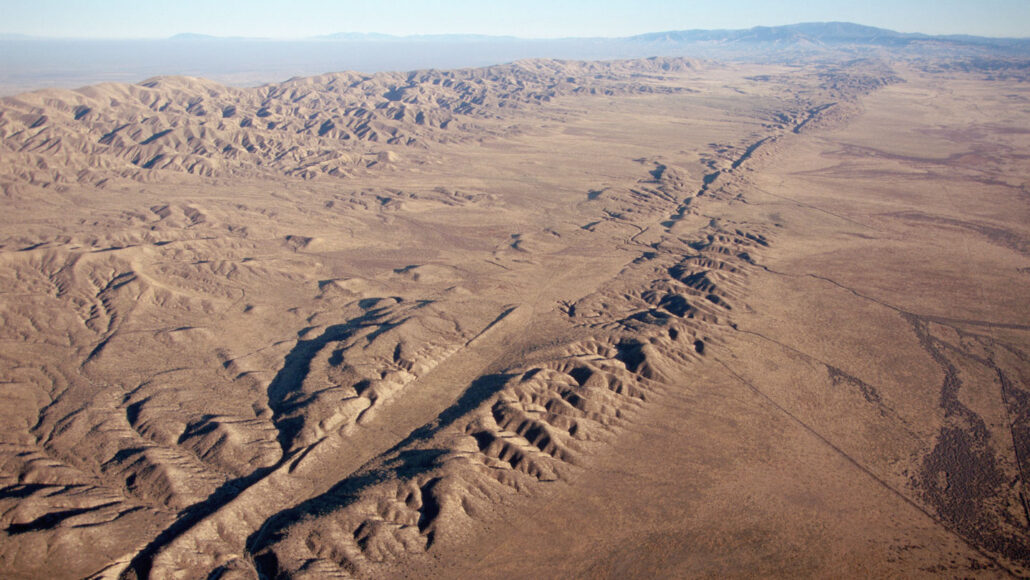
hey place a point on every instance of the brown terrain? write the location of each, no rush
(647, 318)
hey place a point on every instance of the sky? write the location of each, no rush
(523, 18)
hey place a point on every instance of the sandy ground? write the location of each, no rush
(553, 319)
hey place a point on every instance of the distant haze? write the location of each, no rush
(29, 63)
(527, 19)
(32, 64)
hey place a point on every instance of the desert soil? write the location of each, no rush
(655, 318)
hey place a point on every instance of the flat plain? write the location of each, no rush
(644, 318)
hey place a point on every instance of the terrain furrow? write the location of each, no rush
(221, 535)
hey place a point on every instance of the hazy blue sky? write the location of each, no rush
(526, 18)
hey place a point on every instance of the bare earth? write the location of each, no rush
(550, 319)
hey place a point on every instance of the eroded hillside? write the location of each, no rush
(355, 325)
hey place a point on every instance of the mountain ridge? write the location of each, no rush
(32, 63)
(820, 29)
(824, 32)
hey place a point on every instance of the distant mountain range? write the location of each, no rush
(827, 33)
(811, 34)
(28, 63)
(816, 32)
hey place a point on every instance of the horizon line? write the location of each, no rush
(385, 36)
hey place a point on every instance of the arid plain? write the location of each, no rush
(645, 318)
